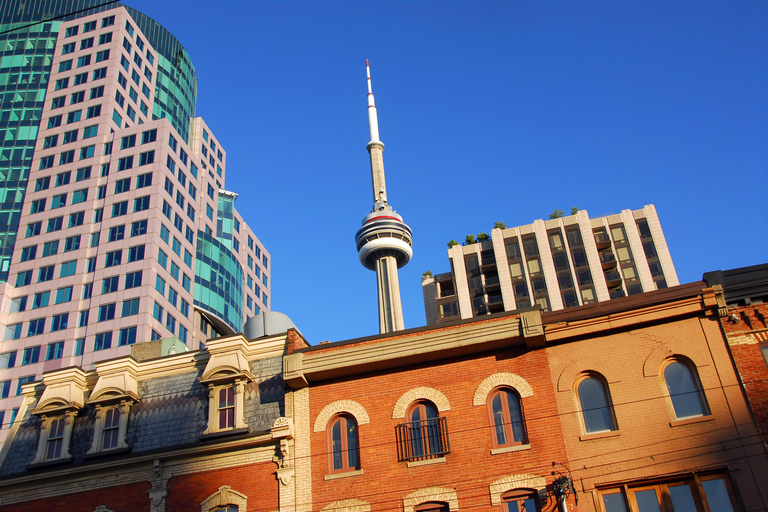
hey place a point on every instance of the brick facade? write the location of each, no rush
(281, 458)
(469, 469)
(256, 481)
(649, 442)
(628, 344)
(747, 332)
(123, 498)
(743, 313)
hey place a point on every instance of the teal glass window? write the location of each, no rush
(102, 341)
(130, 307)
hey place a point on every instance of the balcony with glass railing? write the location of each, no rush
(607, 260)
(602, 240)
(612, 279)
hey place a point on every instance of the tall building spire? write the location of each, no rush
(377, 161)
(373, 120)
(384, 241)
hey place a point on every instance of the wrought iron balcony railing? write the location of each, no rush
(421, 440)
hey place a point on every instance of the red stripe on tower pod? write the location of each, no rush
(383, 217)
(761, 336)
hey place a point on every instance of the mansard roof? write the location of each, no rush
(168, 401)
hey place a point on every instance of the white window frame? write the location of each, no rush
(213, 408)
(42, 446)
(98, 431)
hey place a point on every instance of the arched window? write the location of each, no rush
(520, 500)
(425, 435)
(109, 430)
(343, 448)
(505, 412)
(225, 499)
(595, 402)
(432, 506)
(684, 390)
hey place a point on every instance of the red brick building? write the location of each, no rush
(415, 408)
(743, 313)
(635, 400)
(632, 405)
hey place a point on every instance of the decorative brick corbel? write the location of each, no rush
(282, 430)
(159, 491)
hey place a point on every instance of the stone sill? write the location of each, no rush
(599, 435)
(417, 463)
(49, 463)
(347, 474)
(690, 421)
(507, 449)
(225, 433)
(104, 453)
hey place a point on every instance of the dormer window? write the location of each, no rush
(55, 434)
(55, 439)
(112, 397)
(226, 376)
(57, 407)
(226, 408)
(110, 427)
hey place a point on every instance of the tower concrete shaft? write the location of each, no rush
(376, 151)
(390, 307)
(384, 241)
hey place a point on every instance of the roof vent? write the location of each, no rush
(268, 323)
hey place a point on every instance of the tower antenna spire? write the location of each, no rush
(384, 241)
(373, 120)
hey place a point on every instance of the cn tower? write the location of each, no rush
(384, 241)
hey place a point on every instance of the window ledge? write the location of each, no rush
(105, 453)
(689, 421)
(48, 463)
(225, 433)
(507, 449)
(417, 463)
(346, 474)
(599, 435)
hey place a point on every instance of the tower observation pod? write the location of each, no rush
(384, 241)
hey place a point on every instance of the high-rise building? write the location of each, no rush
(555, 264)
(115, 223)
(384, 241)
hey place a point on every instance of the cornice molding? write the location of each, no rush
(64, 390)
(117, 381)
(624, 319)
(392, 352)
(111, 466)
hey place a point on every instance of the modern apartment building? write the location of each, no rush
(115, 222)
(554, 264)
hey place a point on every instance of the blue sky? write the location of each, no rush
(490, 111)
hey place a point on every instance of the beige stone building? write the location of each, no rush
(555, 264)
